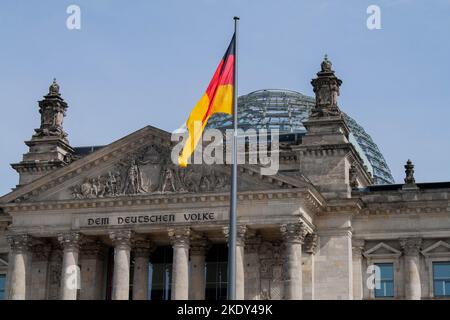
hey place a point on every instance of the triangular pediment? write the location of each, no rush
(440, 247)
(382, 249)
(140, 164)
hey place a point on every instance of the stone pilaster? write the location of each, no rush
(39, 269)
(241, 231)
(358, 272)
(293, 235)
(411, 249)
(70, 273)
(252, 265)
(92, 258)
(197, 286)
(121, 278)
(180, 238)
(18, 266)
(142, 249)
(310, 247)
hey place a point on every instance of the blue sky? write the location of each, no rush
(137, 63)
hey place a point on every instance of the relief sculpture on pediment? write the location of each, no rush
(150, 171)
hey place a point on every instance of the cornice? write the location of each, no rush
(308, 197)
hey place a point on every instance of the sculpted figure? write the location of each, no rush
(134, 183)
(169, 181)
(111, 184)
(94, 188)
(86, 188)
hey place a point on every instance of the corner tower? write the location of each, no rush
(327, 157)
(48, 148)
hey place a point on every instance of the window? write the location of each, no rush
(216, 272)
(2, 286)
(160, 273)
(441, 279)
(386, 288)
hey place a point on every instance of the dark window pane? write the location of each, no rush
(2, 286)
(386, 280)
(441, 277)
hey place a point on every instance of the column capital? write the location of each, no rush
(92, 248)
(19, 242)
(411, 246)
(121, 238)
(142, 246)
(70, 240)
(293, 232)
(40, 250)
(241, 233)
(180, 236)
(358, 247)
(311, 241)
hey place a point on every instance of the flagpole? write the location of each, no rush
(231, 293)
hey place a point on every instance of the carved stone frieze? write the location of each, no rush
(150, 171)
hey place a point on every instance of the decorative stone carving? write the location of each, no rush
(358, 247)
(293, 232)
(411, 246)
(409, 171)
(310, 244)
(353, 177)
(149, 171)
(53, 110)
(180, 236)
(326, 87)
(19, 242)
(70, 240)
(121, 238)
(241, 231)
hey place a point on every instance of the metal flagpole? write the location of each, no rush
(232, 227)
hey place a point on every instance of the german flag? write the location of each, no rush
(218, 98)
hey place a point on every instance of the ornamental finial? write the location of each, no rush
(409, 170)
(326, 64)
(53, 90)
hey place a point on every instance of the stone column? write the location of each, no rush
(141, 250)
(358, 272)
(411, 250)
(293, 236)
(197, 284)
(39, 269)
(70, 273)
(240, 270)
(310, 247)
(180, 262)
(121, 278)
(92, 258)
(19, 266)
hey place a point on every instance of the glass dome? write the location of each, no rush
(286, 110)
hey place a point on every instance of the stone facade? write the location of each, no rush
(86, 225)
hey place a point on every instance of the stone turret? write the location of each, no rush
(48, 148)
(326, 156)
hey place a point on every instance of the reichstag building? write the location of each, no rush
(121, 221)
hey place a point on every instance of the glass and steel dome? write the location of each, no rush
(286, 110)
